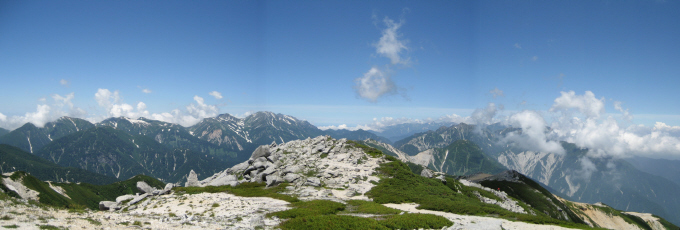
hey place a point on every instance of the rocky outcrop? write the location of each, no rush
(129, 200)
(23, 191)
(320, 167)
(506, 203)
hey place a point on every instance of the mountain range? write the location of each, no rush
(123, 147)
(315, 183)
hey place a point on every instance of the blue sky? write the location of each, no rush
(95, 59)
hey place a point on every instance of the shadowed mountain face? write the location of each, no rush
(14, 159)
(118, 154)
(444, 136)
(462, 157)
(31, 138)
(355, 135)
(169, 135)
(397, 132)
(3, 132)
(669, 169)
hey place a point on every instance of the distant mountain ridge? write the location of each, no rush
(118, 154)
(31, 138)
(401, 131)
(14, 159)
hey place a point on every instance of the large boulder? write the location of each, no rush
(108, 205)
(273, 180)
(224, 180)
(192, 180)
(313, 181)
(144, 187)
(123, 198)
(290, 177)
(262, 151)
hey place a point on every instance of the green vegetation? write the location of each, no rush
(82, 195)
(10, 226)
(665, 223)
(244, 189)
(399, 185)
(310, 208)
(331, 222)
(373, 152)
(415, 221)
(531, 193)
(49, 227)
(369, 207)
(321, 214)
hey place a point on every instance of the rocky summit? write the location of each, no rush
(315, 168)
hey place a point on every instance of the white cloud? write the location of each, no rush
(495, 92)
(587, 104)
(146, 91)
(115, 107)
(534, 58)
(533, 134)
(216, 94)
(604, 136)
(344, 126)
(64, 82)
(483, 116)
(389, 45)
(518, 46)
(59, 107)
(374, 84)
(624, 112)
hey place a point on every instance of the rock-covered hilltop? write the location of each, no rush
(315, 168)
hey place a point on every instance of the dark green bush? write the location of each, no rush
(310, 208)
(415, 221)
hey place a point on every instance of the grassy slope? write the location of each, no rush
(399, 185)
(83, 194)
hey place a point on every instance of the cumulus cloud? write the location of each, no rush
(483, 116)
(216, 94)
(390, 45)
(587, 104)
(344, 126)
(64, 82)
(518, 46)
(194, 113)
(374, 84)
(533, 134)
(115, 107)
(146, 91)
(495, 92)
(47, 111)
(605, 136)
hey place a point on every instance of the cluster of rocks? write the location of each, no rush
(320, 167)
(507, 203)
(432, 174)
(129, 201)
